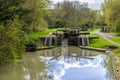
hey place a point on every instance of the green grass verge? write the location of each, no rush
(36, 35)
(115, 39)
(62, 29)
(100, 43)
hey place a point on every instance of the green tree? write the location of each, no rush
(111, 10)
(18, 17)
(36, 12)
(70, 14)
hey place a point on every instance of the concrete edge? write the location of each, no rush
(47, 47)
(94, 49)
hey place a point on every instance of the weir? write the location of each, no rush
(84, 41)
(46, 41)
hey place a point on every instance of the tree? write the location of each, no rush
(18, 17)
(11, 37)
(37, 11)
(111, 10)
(70, 14)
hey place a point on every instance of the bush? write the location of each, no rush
(31, 46)
(117, 25)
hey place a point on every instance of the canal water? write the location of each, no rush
(61, 63)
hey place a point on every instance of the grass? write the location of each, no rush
(36, 35)
(62, 28)
(115, 39)
(100, 43)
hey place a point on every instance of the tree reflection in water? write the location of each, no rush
(61, 63)
(72, 63)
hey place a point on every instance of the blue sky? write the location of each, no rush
(94, 4)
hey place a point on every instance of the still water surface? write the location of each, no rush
(61, 63)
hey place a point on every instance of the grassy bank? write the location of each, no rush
(102, 43)
(36, 35)
(115, 39)
(99, 43)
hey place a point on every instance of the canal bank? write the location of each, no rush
(116, 61)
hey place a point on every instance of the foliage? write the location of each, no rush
(111, 10)
(12, 42)
(117, 25)
(18, 17)
(71, 14)
(36, 11)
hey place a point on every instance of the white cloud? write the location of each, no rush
(58, 68)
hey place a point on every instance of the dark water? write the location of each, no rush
(62, 63)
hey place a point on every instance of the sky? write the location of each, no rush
(94, 4)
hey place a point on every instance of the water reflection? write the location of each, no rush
(76, 64)
(61, 63)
